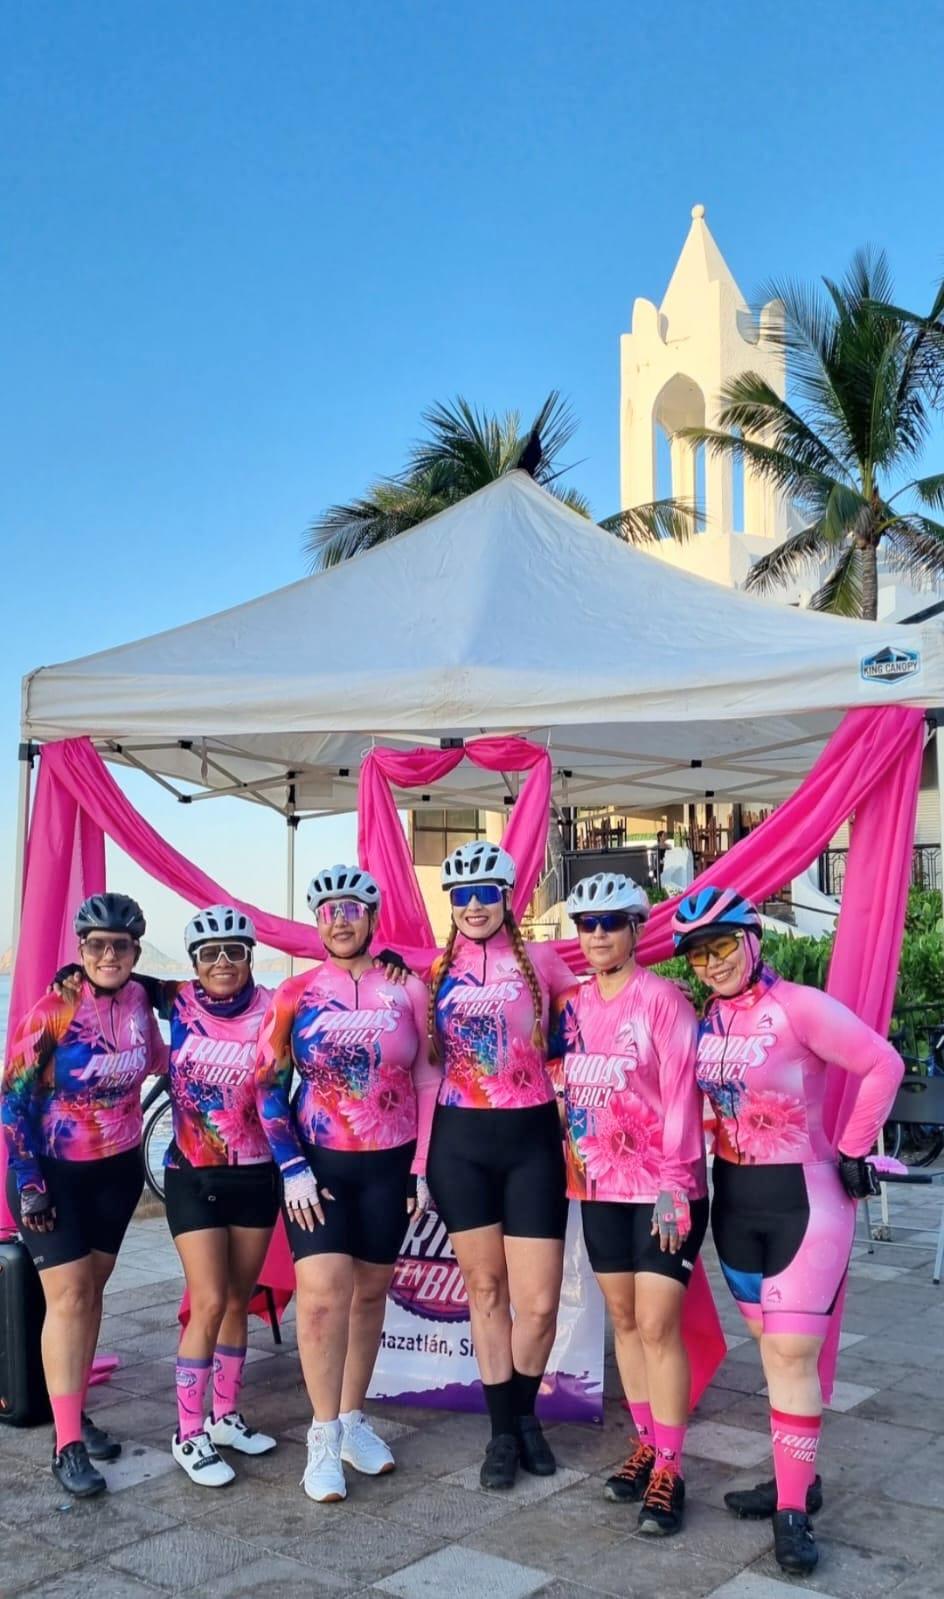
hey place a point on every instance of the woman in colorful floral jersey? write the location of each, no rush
(784, 1191)
(496, 1165)
(72, 1122)
(351, 1147)
(636, 1161)
(220, 1183)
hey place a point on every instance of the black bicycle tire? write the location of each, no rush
(154, 1182)
(930, 1153)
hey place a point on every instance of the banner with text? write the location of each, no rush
(426, 1355)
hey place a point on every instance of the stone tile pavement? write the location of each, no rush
(428, 1530)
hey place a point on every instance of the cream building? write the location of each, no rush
(673, 365)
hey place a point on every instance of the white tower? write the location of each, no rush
(672, 368)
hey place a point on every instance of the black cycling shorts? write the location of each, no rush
(505, 1167)
(199, 1198)
(367, 1217)
(94, 1201)
(783, 1234)
(618, 1236)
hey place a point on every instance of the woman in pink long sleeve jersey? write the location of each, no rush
(496, 1166)
(351, 1147)
(784, 1192)
(636, 1161)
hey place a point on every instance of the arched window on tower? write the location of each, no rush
(663, 458)
(701, 490)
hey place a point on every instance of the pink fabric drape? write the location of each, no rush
(871, 766)
(381, 842)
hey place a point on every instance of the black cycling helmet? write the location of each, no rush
(110, 913)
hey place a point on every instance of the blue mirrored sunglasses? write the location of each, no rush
(607, 922)
(485, 893)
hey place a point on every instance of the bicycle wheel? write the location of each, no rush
(892, 1139)
(924, 1145)
(158, 1132)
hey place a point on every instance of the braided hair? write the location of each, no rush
(527, 971)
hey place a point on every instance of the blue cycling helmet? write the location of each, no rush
(708, 910)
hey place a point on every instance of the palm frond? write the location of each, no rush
(914, 546)
(809, 488)
(391, 507)
(789, 560)
(842, 591)
(930, 490)
(660, 519)
(748, 402)
(570, 497)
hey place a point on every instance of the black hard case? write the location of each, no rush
(23, 1398)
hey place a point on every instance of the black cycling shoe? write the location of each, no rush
(500, 1466)
(534, 1452)
(75, 1473)
(99, 1443)
(794, 1545)
(662, 1509)
(759, 1502)
(628, 1485)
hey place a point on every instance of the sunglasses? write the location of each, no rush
(720, 949)
(209, 954)
(101, 946)
(484, 893)
(344, 910)
(606, 922)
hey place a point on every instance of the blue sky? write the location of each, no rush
(247, 242)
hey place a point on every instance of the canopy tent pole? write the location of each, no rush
(26, 754)
(291, 821)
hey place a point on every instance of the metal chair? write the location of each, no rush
(919, 1100)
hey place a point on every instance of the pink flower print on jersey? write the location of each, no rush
(521, 1081)
(770, 1128)
(621, 1155)
(385, 1117)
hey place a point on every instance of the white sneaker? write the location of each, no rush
(201, 1461)
(324, 1474)
(362, 1448)
(231, 1432)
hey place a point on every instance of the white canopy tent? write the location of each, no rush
(506, 613)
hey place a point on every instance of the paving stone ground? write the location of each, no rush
(428, 1530)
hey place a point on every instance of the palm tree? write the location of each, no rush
(865, 376)
(464, 450)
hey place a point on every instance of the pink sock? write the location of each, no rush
(67, 1415)
(642, 1421)
(795, 1440)
(669, 1442)
(193, 1377)
(228, 1366)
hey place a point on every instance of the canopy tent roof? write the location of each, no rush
(506, 613)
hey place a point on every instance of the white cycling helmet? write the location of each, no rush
(478, 862)
(343, 882)
(608, 891)
(218, 921)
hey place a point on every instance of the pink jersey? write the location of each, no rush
(361, 1051)
(71, 1087)
(485, 1017)
(762, 1061)
(632, 1105)
(212, 1083)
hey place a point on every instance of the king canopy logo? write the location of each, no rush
(426, 1278)
(890, 665)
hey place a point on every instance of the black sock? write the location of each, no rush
(524, 1393)
(501, 1410)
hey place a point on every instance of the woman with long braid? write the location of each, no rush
(496, 1164)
